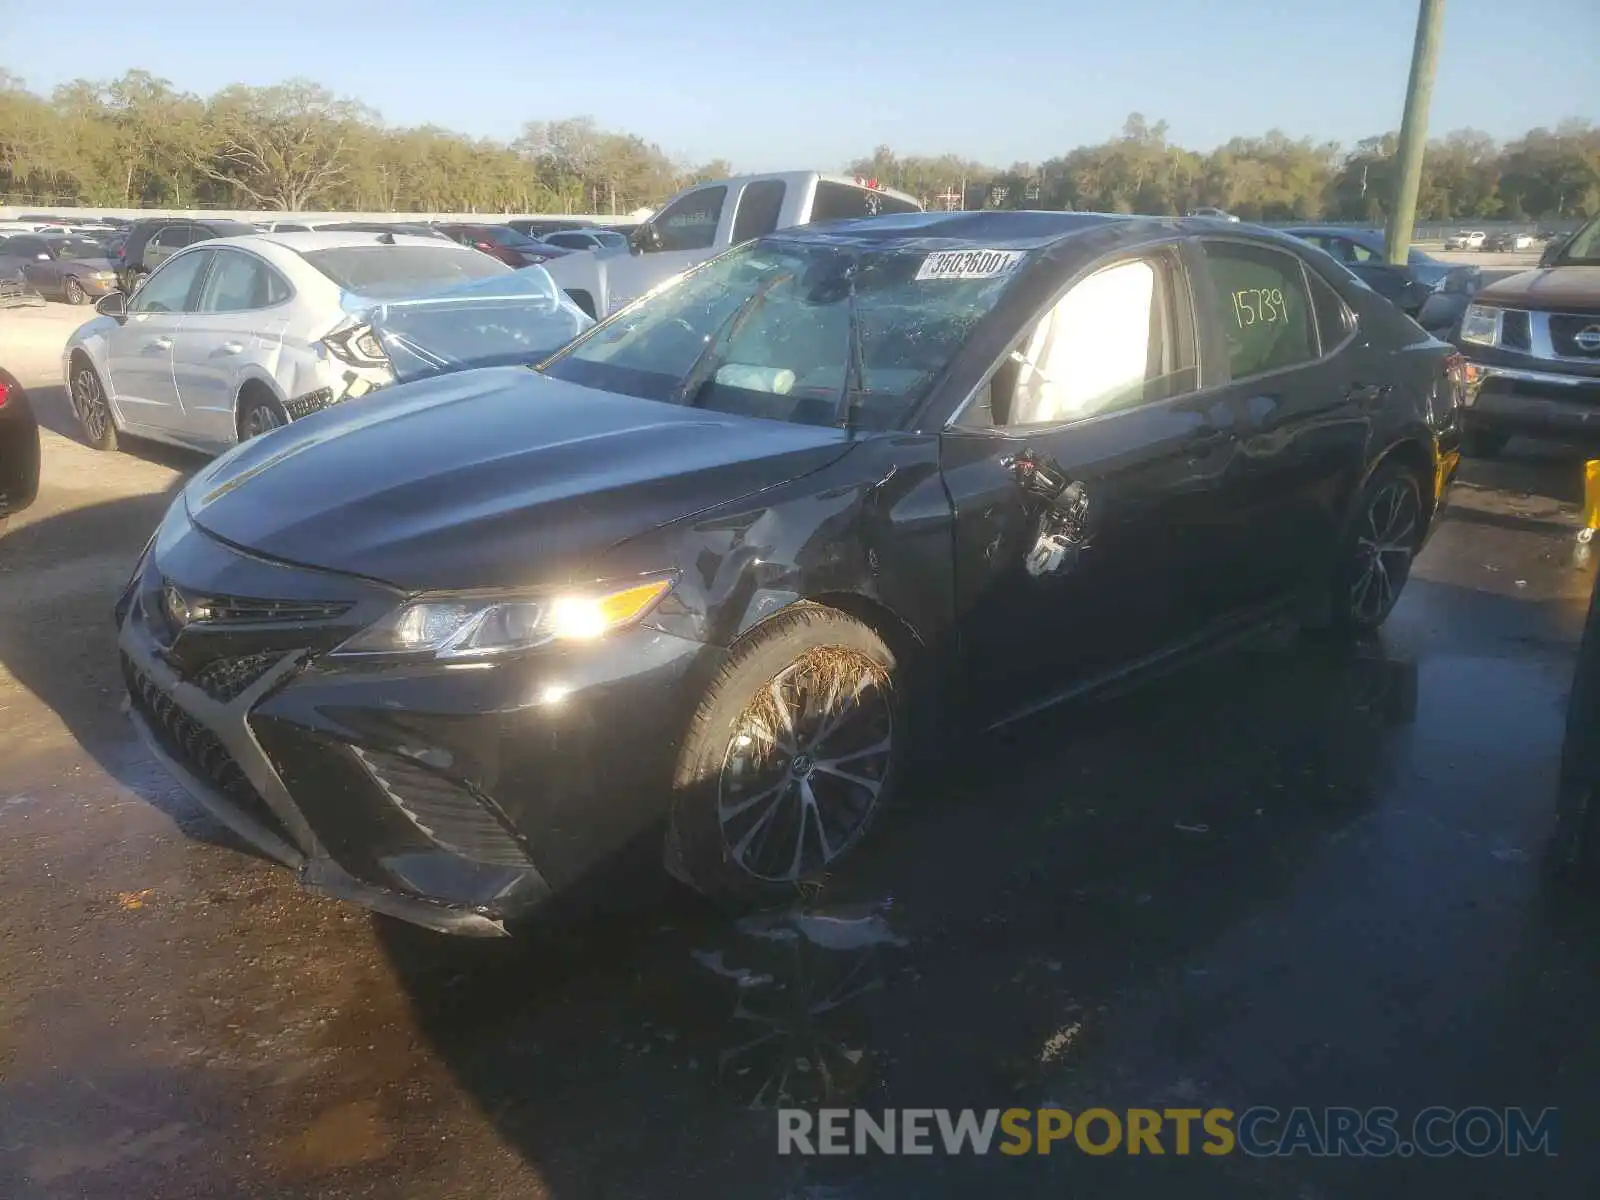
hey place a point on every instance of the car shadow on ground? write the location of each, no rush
(47, 587)
(990, 942)
(53, 409)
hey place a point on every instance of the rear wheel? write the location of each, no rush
(74, 293)
(792, 753)
(1478, 443)
(91, 405)
(1380, 543)
(259, 413)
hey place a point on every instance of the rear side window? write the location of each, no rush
(842, 201)
(1263, 307)
(759, 205)
(386, 272)
(1335, 322)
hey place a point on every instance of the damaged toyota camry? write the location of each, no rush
(714, 574)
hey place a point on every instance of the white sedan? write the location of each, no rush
(232, 337)
(1466, 240)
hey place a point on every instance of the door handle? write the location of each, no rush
(1369, 393)
(159, 343)
(228, 348)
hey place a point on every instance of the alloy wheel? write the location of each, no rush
(89, 403)
(262, 418)
(1385, 545)
(75, 292)
(807, 761)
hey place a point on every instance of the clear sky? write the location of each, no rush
(818, 83)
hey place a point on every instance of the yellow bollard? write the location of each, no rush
(1591, 494)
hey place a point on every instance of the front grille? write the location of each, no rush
(447, 813)
(1516, 332)
(197, 748)
(225, 679)
(1565, 330)
(240, 610)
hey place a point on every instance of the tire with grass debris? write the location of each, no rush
(795, 748)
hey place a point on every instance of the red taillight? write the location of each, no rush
(5, 393)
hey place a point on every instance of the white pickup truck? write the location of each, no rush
(707, 219)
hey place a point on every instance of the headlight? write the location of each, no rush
(1481, 324)
(466, 626)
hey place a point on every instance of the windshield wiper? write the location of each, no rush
(855, 371)
(704, 363)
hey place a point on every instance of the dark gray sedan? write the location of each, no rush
(73, 269)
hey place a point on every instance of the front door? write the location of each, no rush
(1103, 399)
(238, 314)
(139, 351)
(680, 236)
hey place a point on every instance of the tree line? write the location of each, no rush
(137, 141)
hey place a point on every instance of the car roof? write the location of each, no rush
(1014, 230)
(326, 239)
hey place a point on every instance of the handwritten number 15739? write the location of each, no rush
(1263, 305)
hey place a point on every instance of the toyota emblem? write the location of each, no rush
(1587, 339)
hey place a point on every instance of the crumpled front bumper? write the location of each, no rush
(274, 825)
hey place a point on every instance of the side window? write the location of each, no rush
(278, 289)
(237, 282)
(759, 205)
(167, 290)
(1356, 252)
(1262, 305)
(1112, 342)
(30, 247)
(1335, 321)
(842, 201)
(690, 222)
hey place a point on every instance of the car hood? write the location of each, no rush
(88, 264)
(498, 477)
(1549, 289)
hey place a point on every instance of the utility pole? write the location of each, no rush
(1414, 131)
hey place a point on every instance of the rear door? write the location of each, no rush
(232, 334)
(1105, 392)
(139, 351)
(1303, 383)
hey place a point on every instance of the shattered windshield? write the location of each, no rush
(809, 332)
(515, 317)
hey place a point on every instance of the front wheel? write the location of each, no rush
(1380, 543)
(73, 290)
(797, 745)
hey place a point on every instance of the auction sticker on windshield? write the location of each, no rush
(969, 264)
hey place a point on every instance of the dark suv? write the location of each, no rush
(151, 242)
(1532, 344)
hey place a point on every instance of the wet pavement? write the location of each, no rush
(1297, 875)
